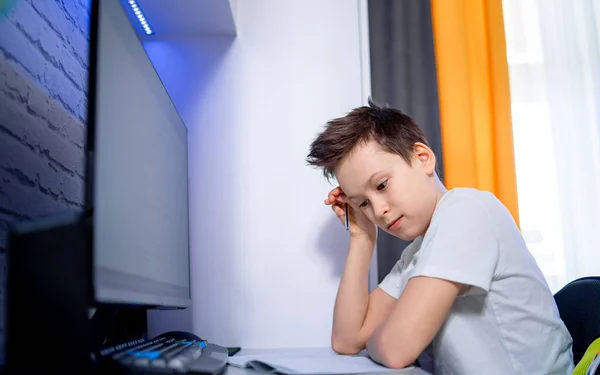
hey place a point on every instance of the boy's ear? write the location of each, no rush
(425, 157)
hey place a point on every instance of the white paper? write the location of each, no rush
(308, 361)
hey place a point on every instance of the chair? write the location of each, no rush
(578, 304)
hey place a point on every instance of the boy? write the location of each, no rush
(466, 293)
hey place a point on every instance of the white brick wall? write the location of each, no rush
(43, 79)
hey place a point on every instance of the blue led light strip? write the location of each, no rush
(140, 16)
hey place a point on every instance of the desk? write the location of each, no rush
(233, 370)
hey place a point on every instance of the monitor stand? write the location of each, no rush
(115, 324)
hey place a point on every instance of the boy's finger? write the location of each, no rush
(331, 201)
(338, 210)
(333, 194)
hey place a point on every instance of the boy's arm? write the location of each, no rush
(414, 321)
(462, 253)
(356, 313)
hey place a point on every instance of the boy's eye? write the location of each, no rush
(364, 204)
(382, 185)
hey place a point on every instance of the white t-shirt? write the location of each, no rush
(507, 323)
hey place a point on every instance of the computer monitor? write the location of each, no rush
(129, 249)
(137, 173)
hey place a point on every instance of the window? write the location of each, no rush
(553, 56)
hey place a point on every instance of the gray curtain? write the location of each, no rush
(403, 76)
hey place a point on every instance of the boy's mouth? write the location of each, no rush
(396, 223)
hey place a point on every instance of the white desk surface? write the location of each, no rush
(233, 370)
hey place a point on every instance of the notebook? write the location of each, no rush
(306, 361)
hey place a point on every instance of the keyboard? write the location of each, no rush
(168, 355)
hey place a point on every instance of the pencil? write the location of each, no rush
(347, 218)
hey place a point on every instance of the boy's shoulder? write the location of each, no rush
(464, 194)
(470, 199)
(471, 208)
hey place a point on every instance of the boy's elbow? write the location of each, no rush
(392, 355)
(344, 347)
(395, 361)
(341, 348)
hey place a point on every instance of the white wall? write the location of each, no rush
(267, 254)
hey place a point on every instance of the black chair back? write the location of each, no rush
(579, 307)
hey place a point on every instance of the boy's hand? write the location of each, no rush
(359, 223)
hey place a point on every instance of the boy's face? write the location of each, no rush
(397, 197)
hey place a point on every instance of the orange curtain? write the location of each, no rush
(474, 97)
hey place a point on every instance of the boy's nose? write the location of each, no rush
(381, 208)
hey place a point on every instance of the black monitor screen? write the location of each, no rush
(137, 145)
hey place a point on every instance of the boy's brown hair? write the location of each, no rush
(393, 130)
